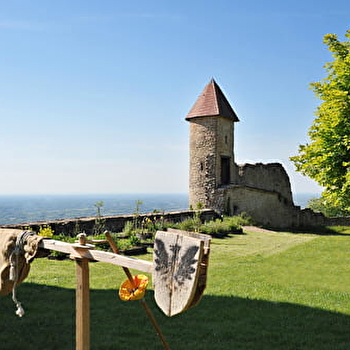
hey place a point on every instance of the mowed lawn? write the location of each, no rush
(266, 290)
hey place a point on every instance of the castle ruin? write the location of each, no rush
(217, 182)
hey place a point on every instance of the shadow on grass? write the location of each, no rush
(216, 323)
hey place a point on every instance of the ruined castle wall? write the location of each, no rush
(307, 217)
(344, 221)
(269, 208)
(270, 177)
(265, 207)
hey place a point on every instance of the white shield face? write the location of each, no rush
(176, 260)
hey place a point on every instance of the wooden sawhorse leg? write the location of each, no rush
(82, 305)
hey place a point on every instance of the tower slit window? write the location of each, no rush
(225, 170)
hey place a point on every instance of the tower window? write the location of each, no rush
(202, 166)
(225, 170)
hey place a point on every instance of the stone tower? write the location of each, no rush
(212, 163)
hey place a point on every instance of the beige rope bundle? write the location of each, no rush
(17, 249)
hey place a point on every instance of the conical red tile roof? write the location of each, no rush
(212, 102)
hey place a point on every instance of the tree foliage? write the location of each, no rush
(319, 205)
(326, 158)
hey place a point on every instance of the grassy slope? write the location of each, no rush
(265, 291)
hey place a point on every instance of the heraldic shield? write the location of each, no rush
(180, 262)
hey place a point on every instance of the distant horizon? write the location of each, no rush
(299, 199)
(91, 193)
(114, 193)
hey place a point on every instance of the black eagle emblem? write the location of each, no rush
(166, 264)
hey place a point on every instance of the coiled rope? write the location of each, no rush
(14, 267)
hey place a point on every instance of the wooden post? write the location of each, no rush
(82, 305)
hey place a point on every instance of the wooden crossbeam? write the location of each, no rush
(87, 252)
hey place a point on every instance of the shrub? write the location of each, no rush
(214, 227)
(189, 225)
(227, 224)
(134, 240)
(128, 228)
(237, 221)
(46, 231)
(220, 226)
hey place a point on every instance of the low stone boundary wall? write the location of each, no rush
(113, 223)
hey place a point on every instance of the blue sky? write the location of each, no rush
(93, 94)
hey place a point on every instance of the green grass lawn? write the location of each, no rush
(266, 290)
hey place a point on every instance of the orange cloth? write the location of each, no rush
(135, 291)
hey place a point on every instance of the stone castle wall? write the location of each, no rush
(270, 177)
(270, 208)
(113, 223)
(263, 191)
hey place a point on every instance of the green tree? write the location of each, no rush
(326, 158)
(319, 205)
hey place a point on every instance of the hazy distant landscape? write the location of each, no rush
(26, 208)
